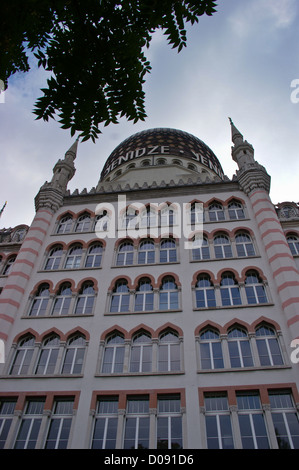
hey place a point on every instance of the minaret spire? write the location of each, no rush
(72, 151)
(52, 194)
(251, 174)
(236, 134)
(242, 151)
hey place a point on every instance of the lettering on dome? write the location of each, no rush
(163, 150)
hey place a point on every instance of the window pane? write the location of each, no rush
(176, 433)
(226, 432)
(217, 355)
(260, 431)
(212, 432)
(281, 431)
(234, 354)
(205, 356)
(246, 353)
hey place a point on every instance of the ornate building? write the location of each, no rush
(157, 310)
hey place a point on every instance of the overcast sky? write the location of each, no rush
(239, 63)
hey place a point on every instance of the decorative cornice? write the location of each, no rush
(50, 197)
(253, 176)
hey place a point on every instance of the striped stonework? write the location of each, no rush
(22, 268)
(285, 272)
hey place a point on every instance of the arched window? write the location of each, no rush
(73, 260)
(130, 218)
(201, 249)
(239, 348)
(222, 247)
(211, 356)
(65, 224)
(18, 235)
(48, 355)
(23, 356)
(268, 346)
(293, 242)
(204, 292)
(244, 245)
(169, 352)
(196, 213)
(8, 265)
(102, 222)
(216, 212)
(54, 258)
(40, 301)
(169, 297)
(144, 296)
(120, 300)
(85, 301)
(113, 360)
(255, 289)
(229, 289)
(288, 211)
(83, 223)
(235, 210)
(168, 216)
(74, 355)
(125, 254)
(149, 218)
(94, 256)
(168, 252)
(62, 300)
(141, 353)
(146, 252)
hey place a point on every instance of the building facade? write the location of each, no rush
(158, 310)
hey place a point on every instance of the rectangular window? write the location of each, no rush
(269, 351)
(105, 428)
(218, 422)
(240, 353)
(120, 303)
(144, 302)
(285, 419)
(169, 423)
(169, 357)
(113, 361)
(251, 421)
(211, 355)
(7, 408)
(30, 425)
(60, 425)
(137, 424)
(141, 358)
(47, 361)
(169, 301)
(205, 298)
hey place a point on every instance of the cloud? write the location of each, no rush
(268, 15)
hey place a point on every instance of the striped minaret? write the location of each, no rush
(47, 201)
(21, 270)
(255, 181)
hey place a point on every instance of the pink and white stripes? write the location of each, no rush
(284, 270)
(21, 271)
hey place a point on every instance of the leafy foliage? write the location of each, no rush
(95, 51)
